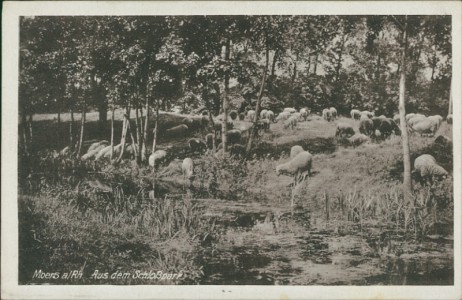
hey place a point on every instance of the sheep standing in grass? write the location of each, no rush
(157, 157)
(187, 167)
(303, 113)
(299, 167)
(270, 115)
(290, 110)
(358, 139)
(327, 114)
(251, 115)
(333, 112)
(344, 130)
(355, 114)
(283, 116)
(425, 127)
(409, 116)
(386, 127)
(263, 114)
(295, 150)
(366, 126)
(426, 168)
(369, 114)
(291, 122)
(437, 118)
(416, 119)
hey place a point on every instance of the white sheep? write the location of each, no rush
(251, 115)
(187, 167)
(436, 118)
(283, 116)
(295, 150)
(355, 114)
(299, 167)
(304, 113)
(409, 116)
(264, 114)
(270, 115)
(290, 110)
(291, 122)
(333, 112)
(416, 119)
(426, 167)
(368, 114)
(157, 157)
(358, 139)
(425, 126)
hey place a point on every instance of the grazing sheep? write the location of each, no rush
(233, 114)
(283, 116)
(416, 119)
(97, 145)
(157, 157)
(327, 114)
(304, 113)
(106, 152)
(290, 110)
(187, 167)
(299, 165)
(409, 116)
(251, 115)
(449, 119)
(368, 114)
(333, 112)
(366, 126)
(387, 127)
(358, 139)
(241, 116)
(291, 122)
(263, 114)
(263, 124)
(91, 153)
(197, 145)
(355, 114)
(295, 150)
(426, 126)
(344, 130)
(270, 115)
(426, 168)
(436, 118)
(177, 131)
(234, 136)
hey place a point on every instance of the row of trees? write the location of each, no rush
(70, 64)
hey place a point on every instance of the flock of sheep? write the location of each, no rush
(300, 162)
(370, 127)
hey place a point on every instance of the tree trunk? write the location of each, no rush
(71, 125)
(275, 58)
(407, 181)
(450, 99)
(24, 131)
(112, 133)
(31, 131)
(224, 137)
(154, 140)
(138, 131)
(124, 134)
(144, 151)
(315, 63)
(82, 125)
(257, 109)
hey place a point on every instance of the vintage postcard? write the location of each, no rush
(231, 150)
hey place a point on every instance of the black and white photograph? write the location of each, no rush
(230, 146)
